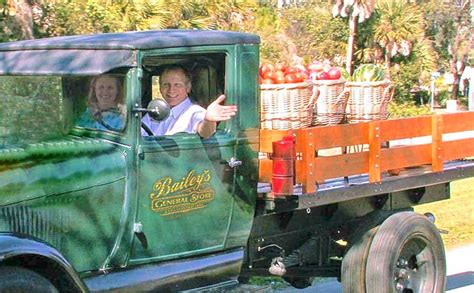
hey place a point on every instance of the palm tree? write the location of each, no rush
(357, 11)
(230, 14)
(399, 25)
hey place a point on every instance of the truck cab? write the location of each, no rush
(109, 201)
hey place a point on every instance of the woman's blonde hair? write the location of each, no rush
(92, 101)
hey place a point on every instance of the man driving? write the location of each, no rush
(185, 116)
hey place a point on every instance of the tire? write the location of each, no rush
(19, 280)
(355, 259)
(354, 263)
(406, 255)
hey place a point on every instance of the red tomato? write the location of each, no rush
(266, 81)
(300, 76)
(290, 78)
(280, 66)
(279, 79)
(334, 73)
(280, 73)
(290, 70)
(265, 68)
(323, 75)
(270, 75)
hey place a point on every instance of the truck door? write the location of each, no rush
(185, 187)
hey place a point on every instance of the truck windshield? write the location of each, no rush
(38, 108)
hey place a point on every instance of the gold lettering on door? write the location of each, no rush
(191, 192)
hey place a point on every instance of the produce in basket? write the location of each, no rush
(285, 106)
(322, 70)
(368, 72)
(281, 73)
(344, 74)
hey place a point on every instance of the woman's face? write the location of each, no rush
(106, 92)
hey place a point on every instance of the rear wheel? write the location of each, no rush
(355, 259)
(19, 280)
(354, 263)
(406, 255)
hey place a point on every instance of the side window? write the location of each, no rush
(189, 84)
(32, 109)
(99, 102)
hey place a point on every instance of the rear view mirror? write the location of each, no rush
(158, 109)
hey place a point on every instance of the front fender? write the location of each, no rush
(14, 246)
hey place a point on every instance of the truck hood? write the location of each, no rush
(58, 166)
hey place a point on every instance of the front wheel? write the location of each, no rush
(407, 256)
(21, 280)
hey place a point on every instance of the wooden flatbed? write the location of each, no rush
(349, 161)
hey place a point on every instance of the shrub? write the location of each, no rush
(407, 109)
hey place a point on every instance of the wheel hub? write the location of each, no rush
(403, 276)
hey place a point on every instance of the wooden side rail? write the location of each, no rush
(312, 168)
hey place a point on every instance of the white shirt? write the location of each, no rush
(184, 117)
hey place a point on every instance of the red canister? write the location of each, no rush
(283, 166)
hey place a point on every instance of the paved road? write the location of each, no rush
(460, 271)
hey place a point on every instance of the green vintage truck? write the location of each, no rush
(107, 209)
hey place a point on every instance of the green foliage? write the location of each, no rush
(10, 29)
(299, 31)
(407, 109)
(365, 47)
(267, 24)
(368, 72)
(65, 17)
(316, 33)
(405, 77)
(446, 23)
(442, 96)
(413, 70)
(32, 108)
(397, 21)
(274, 282)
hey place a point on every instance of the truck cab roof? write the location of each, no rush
(96, 54)
(136, 40)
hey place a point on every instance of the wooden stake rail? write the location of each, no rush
(312, 168)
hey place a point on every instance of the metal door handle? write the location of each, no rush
(233, 162)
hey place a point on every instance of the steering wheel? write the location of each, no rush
(99, 118)
(147, 129)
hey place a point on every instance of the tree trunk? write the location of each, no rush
(455, 71)
(388, 61)
(456, 77)
(24, 18)
(350, 43)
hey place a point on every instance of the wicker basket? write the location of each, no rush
(285, 106)
(368, 100)
(330, 102)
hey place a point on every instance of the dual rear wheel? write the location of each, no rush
(404, 254)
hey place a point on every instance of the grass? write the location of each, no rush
(455, 215)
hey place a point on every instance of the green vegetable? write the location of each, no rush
(368, 72)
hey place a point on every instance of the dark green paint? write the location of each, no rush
(83, 191)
